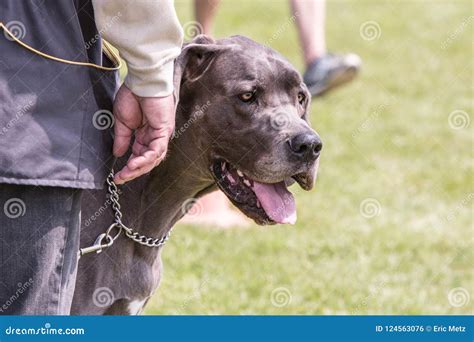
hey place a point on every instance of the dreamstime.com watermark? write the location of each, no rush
(195, 295)
(103, 119)
(46, 330)
(17, 30)
(191, 207)
(14, 208)
(100, 211)
(464, 204)
(19, 114)
(280, 121)
(370, 207)
(191, 29)
(459, 119)
(22, 288)
(373, 294)
(281, 29)
(371, 120)
(370, 30)
(458, 297)
(198, 112)
(463, 26)
(111, 22)
(103, 297)
(280, 297)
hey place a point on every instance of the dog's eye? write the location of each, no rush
(247, 97)
(301, 98)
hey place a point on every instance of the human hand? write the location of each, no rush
(152, 119)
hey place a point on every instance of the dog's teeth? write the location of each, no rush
(240, 173)
(258, 204)
(223, 166)
(246, 182)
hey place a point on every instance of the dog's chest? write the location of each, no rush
(136, 307)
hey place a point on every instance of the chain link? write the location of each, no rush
(114, 197)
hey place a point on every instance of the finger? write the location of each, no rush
(138, 148)
(126, 175)
(155, 153)
(122, 138)
(146, 159)
(128, 116)
(160, 146)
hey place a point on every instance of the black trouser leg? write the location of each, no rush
(39, 239)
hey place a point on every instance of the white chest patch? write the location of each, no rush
(135, 307)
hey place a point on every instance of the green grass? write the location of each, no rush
(387, 137)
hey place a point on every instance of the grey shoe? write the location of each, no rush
(330, 71)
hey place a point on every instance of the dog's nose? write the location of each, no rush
(306, 146)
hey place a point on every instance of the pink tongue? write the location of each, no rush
(277, 201)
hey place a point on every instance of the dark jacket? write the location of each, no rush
(55, 118)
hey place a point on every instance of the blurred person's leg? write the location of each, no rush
(205, 12)
(214, 208)
(310, 16)
(324, 71)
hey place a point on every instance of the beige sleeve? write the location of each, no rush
(148, 36)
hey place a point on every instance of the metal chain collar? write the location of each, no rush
(106, 240)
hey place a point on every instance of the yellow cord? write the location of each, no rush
(107, 49)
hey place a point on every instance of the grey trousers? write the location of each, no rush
(39, 239)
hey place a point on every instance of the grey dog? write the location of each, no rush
(241, 127)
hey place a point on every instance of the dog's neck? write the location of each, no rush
(170, 189)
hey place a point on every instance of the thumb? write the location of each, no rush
(128, 116)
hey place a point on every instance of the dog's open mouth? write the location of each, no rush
(265, 203)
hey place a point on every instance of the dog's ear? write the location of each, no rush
(194, 60)
(198, 57)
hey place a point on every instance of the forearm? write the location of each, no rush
(148, 36)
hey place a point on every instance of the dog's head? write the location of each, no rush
(243, 112)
